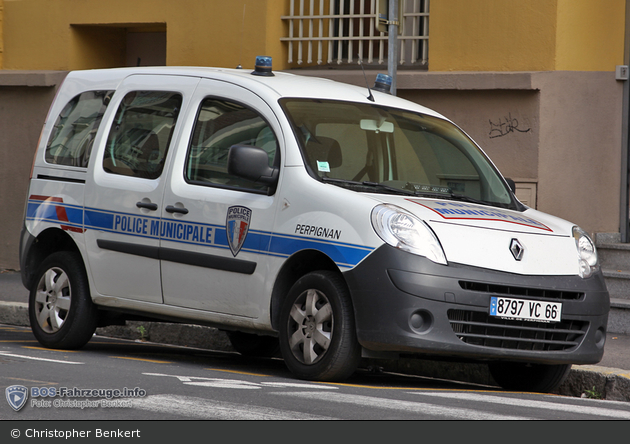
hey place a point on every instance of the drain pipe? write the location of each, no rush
(622, 74)
(392, 43)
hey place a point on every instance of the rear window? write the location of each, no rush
(70, 142)
(141, 133)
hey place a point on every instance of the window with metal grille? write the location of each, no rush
(345, 32)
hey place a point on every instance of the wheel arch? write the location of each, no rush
(42, 246)
(296, 266)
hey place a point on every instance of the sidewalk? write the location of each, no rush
(610, 378)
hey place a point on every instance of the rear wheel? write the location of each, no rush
(317, 330)
(524, 377)
(61, 311)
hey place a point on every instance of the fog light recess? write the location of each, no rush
(600, 337)
(420, 321)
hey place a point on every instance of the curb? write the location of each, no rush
(583, 380)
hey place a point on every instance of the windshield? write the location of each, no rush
(379, 149)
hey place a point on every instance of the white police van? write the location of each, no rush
(336, 221)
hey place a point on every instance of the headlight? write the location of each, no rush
(587, 254)
(401, 229)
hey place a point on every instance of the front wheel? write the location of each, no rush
(317, 330)
(518, 376)
(60, 308)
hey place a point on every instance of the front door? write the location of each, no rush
(216, 227)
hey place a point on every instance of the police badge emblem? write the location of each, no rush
(237, 226)
(16, 396)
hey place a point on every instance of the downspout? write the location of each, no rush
(624, 215)
(392, 42)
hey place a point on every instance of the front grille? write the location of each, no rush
(536, 293)
(479, 328)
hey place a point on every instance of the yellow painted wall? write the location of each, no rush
(590, 35)
(528, 35)
(492, 35)
(1, 32)
(52, 34)
(465, 35)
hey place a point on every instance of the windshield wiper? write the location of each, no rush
(468, 199)
(452, 196)
(373, 185)
(382, 186)
(418, 193)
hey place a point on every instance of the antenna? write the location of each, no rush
(370, 97)
(240, 56)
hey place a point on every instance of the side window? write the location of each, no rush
(221, 124)
(140, 135)
(70, 142)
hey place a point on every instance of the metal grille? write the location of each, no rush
(344, 32)
(479, 328)
(533, 293)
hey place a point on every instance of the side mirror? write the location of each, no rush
(511, 184)
(251, 163)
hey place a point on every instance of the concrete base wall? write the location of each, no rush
(24, 101)
(580, 148)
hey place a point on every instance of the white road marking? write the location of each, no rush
(200, 408)
(534, 404)
(39, 359)
(237, 383)
(298, 385)
(421, 408)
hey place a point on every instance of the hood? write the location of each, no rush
(485, 236)
(487, 217)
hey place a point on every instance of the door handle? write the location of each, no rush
(148, 205)
(174, 209)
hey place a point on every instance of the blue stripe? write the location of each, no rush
(47, 211)
(98, 220)
(345, 255)
(280, 245)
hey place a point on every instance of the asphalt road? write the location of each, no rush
(165, 383)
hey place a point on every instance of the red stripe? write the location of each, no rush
(45, 198)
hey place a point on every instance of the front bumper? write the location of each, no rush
(409, 305)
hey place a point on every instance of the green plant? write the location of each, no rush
(592, 394)
(144, 334)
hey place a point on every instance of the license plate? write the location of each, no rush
(524, 309)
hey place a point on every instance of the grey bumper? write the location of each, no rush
(409, 305)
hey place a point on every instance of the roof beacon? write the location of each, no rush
(383, 83)
(263, 66)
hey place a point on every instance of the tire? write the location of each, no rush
(60, 309)
(253, 346)
(517, 376)
(317, 330)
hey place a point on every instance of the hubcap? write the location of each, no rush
(310, 326)
(52, 300)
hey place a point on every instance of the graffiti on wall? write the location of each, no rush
(504, 126)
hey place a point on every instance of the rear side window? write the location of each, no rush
(141, 133)
(70, 142)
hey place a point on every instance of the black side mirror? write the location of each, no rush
(511, 184)
(251, 163)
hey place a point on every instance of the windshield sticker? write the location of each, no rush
(313, 230)
(237, 226)
(462, 211)
(324, 167)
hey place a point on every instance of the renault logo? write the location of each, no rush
(517, 249)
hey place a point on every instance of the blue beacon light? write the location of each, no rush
(383, 83)
(263, 66)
